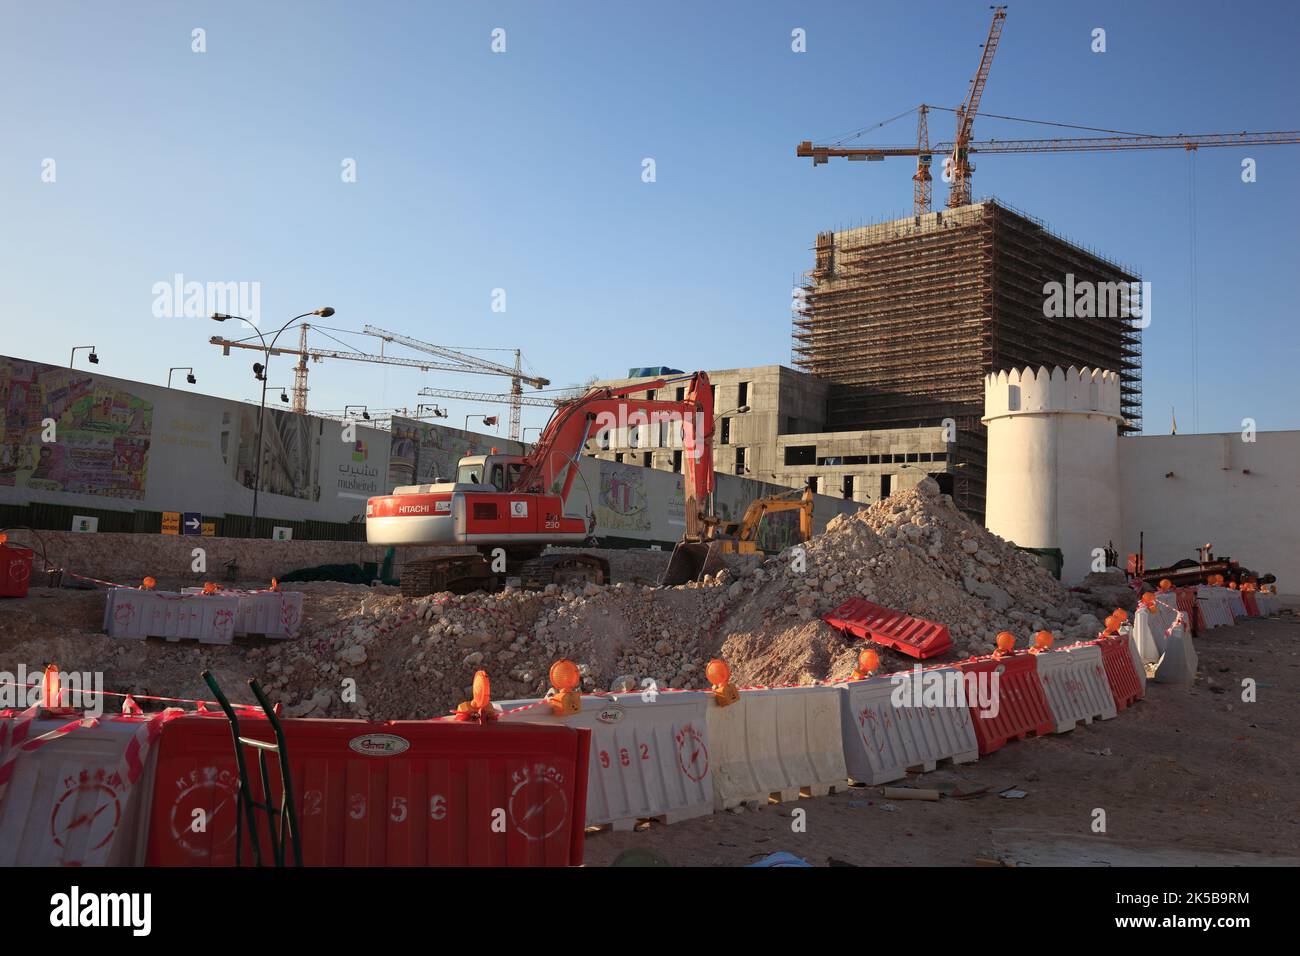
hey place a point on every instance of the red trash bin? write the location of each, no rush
(15, 570)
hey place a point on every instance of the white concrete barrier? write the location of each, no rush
(1139, 665)
(268, 613)
(886, 729)
(1149, 627)
(1232, 598)
(776, 740)
(77, 792)
(1179, 663)
(1267, 604)
(1074, 682)
(1214, 609)
(649, 754)
(207, 618)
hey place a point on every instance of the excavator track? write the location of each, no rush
(459, 574)
(462, 574)
(562, 569)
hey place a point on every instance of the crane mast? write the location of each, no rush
(959, 167)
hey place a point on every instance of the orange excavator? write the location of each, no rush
(511, 507)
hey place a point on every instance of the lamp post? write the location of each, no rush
(324, 313)
(365, 411)
(477, 415)
(94, 357)
(181, 368)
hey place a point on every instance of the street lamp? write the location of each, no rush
(436, 411)
(487, 419)
(181, 368)
(365, 411)
(94, 358)
(260, 373)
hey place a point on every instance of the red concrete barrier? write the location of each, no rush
(1021, 705)
(1121, 675)
(397, 793)
(15, 570)
(913, 636)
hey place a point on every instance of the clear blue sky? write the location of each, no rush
(522, 171)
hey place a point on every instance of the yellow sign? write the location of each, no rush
(171, 523)
(209, 529)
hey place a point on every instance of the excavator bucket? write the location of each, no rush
(691, 562)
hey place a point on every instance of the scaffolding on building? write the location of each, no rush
(906, 317)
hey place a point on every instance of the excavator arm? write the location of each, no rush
(552, 465)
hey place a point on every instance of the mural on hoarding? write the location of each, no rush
(101, 434)
(290, 453)
(622, 504)
(422, 453)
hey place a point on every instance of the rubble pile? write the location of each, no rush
(370, 652)
(913, 552)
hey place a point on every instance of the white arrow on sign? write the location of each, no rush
(194, 524)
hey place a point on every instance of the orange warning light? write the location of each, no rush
(564, 675)
(1166, 584)
(1121, 615)
(3, 538)
(480, 707)
(1043, 640)
(565, 678)
(719, 675)
(1006, 642)
(868, 663)
(275, 585)
(482, 691)
(209, 587)
(1148, 599)
(51, 687)
(1112, 624)
(148, 584)
(1232, 585)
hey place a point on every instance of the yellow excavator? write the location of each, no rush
(742, 537)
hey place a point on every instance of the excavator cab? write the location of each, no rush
(499, 471)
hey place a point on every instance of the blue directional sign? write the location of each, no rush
(191, 523)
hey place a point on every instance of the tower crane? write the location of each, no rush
(957, 165)
(317, 355)
(445, 359)
(476, 364)
(502, 398)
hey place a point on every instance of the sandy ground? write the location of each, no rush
(1189, 776)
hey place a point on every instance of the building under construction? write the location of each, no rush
(905, 318)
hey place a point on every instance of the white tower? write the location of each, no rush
(1053, 462)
